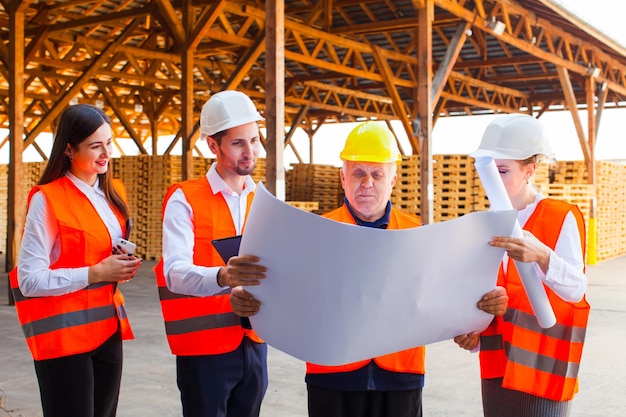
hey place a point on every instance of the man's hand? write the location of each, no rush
(467, 341)
(243, 303)
(494, 302)
(241, 270)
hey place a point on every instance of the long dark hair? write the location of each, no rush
(76, 124)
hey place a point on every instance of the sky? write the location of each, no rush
(461, 135)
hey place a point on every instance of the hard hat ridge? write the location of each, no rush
(514, 136)
(225, 110)
(371, 142)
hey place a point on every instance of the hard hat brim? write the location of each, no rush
(229, 124)
(480, 153)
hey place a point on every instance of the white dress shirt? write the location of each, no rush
(41, 246)
(181, 275)
(565, 274)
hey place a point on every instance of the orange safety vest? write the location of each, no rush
(409, 360)
(78, 322)
(202, 325)
(541, 362)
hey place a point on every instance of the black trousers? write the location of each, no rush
(334, 403)
(83, 385)
(227, 385)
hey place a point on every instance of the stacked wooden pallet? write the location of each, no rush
(31, 175)
(569, 172)
(406, 192)
(610, 212)
(147, 178)
(457, 191)
(134, 171)
(305, 205)
(453, 183)
(320, 183)
(610, 208)
(258, 175)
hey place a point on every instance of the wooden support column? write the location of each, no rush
(424, 120)
(16, 209)
(590, 84)
(592, 232)
(154, 131)
(311, 147)
(186, 87)
(275, 96)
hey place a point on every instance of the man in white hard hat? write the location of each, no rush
(388, 385)
(220, 362)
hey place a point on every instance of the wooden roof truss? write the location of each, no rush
(345, 60)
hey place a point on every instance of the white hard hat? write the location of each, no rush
(514, 136)
(227, 109)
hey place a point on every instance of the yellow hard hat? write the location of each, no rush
(371, 142)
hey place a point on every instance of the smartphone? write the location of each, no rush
(125, 246)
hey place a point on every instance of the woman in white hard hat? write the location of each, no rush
(527, 370)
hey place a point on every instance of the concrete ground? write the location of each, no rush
(452, 381)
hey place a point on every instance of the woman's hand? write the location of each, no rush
(114, 268)
(525, 249)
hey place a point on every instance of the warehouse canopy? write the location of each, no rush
(345, 60)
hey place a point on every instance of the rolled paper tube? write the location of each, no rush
(499, 200)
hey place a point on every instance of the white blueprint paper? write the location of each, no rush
(337, 293)
(499, 200)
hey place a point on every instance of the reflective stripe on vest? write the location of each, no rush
(559, 333)
(77, 322)
(410, 360)
(542, 362)
(64, 320)
(202, 325)
(198, 323)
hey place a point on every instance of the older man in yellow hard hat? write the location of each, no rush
(389, 385)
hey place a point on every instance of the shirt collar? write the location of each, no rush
(381, 223)
(84, 187)
(219, 186)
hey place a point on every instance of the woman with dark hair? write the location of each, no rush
(65, 284)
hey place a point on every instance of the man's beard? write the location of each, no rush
(244, 171)
(239, 170)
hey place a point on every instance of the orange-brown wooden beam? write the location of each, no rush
(570, 99)
(449, 59)
(15, 212)
(392, 91)
(275, 96)
(424, 118)
(187, 122)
